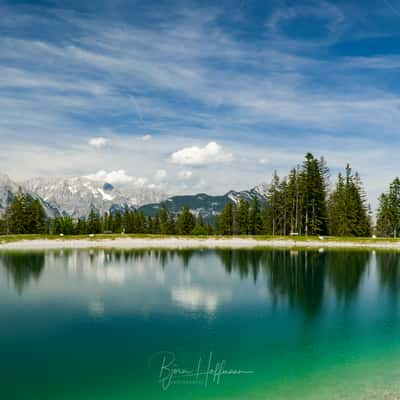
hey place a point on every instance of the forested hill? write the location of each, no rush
(209, 207)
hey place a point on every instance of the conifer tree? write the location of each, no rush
(388, 215)
(37, 223)
(171, 225)
(293, 201)
(255, 220)
(186, 222)
(201, 227)
(314, 194)
(93, 222)
(348, 211)
(156, 225)
(271, 215)
(242, 217)
(116, 222)
(225, 220)
(164, 221)
(81, 227)
(16, 215)
(3, 226)
(108, 222)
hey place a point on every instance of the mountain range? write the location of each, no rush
(203, 204)
(76, 196)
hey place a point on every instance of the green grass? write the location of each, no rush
(301, 239)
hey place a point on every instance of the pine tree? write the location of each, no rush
(337, 210)
(164, 221)
(3, 226)
(271, 213)
(108, 222)
(156, 225)
(201, 227)
(116, 222)
(81, 227)
(242, 217)
(16, 215)
(186, 222)
(93, 222)
(388, 215)
(293, 201)
(255, 220)
(347, 208)
(140, 222)
(38, 223)
(314, 194)
(64, 225)
(171, 225)
(226, 220)
(126, 222)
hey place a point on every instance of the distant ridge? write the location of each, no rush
(207, 206)
(76, 196)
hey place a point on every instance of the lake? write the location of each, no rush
(240, 324)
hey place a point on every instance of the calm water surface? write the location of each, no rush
(200, 325)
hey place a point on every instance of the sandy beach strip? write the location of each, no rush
(191, 243)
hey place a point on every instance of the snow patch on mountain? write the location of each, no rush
(76, 196)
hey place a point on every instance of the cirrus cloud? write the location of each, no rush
(194, 155)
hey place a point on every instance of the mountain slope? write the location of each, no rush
(9, 189)
(203, 204)
(76, 196)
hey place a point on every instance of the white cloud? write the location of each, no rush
(99, 142)
(160, 175)
(197, 298)
(185, 174)
(211, 153)
(140, 182)
(336, 100)
(118, 176)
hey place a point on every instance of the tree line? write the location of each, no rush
(301, 203)
(27, 216)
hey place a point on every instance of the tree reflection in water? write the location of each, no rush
(388, 265)
(298, 278)
(23, 267)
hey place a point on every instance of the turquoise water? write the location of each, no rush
(265, 324)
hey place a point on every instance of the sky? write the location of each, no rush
(199, 96)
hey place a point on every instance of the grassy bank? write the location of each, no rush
(261, 238)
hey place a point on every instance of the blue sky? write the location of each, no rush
(199, 96)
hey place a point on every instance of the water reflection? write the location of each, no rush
(297, 278)
(204, 280)
(21, 268)
(345, 270)
(389, 271)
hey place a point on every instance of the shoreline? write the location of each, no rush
(178, 243)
